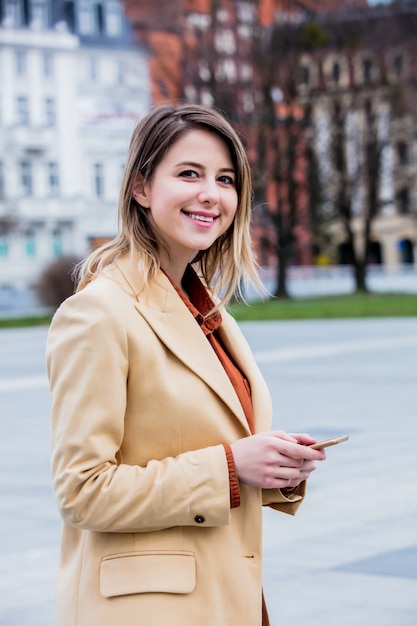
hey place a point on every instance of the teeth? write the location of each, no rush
(201, 218)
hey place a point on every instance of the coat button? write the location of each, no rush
(199, 519)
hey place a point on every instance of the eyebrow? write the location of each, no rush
(194, 164)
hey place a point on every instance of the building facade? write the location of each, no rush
(200, 48)
(364, 100)
(73, 83)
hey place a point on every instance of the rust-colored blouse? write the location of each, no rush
(200, 304)
(198, 301)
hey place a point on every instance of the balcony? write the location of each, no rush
(32, 140)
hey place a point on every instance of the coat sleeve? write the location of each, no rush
(275, 499)
(88, 367)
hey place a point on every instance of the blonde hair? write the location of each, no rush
(229, 261)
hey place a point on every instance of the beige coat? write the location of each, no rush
(140, 409)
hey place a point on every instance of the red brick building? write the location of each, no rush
(203, 47)
(169, 27)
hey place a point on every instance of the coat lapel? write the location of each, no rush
(176, 327)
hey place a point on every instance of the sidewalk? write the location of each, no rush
(350, 554)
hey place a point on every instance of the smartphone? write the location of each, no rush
(329, 442)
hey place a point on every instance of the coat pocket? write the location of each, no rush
(147, 572)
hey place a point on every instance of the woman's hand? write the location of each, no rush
(275, 459)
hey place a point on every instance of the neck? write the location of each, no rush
(175, 267)
(175, 276)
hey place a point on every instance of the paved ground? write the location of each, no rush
(348, 557)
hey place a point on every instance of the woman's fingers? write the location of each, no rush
(270, 460)
(297, 451)
(303, 438)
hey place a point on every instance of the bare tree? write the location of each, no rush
(317, 143)
(361, 113)
(283, 158)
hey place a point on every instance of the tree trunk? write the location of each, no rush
(360, 276)
(281, 287)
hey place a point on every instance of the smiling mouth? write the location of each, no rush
(201, 218)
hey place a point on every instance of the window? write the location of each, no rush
(98, 180)
(22, 110)
(86, 18)
(404, 201)
(91, 18)
(246, 72)
(53, 178)
(336, 73)
(57, 248)
(26, 182)
(224, 41)
(114, 24)
(199, 20)
(248, 101)
(4, 246)
(406, 250)
(39, 13)
(30, 242)
(50, 116)
(308, 72)
(99, 17)
(367, 70)
(13, 15)
(229, 71)
(374, 253)
(20, 62)
(246, 12)
(48, 66)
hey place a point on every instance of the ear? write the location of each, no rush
(140, 191)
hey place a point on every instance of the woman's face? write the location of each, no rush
(191, 197)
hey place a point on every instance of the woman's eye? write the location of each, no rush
(227, 179)
(189, 174)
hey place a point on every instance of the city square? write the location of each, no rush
(348, 556)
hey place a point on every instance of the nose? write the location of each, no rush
(209, 193)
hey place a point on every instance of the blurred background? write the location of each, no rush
(323, 93)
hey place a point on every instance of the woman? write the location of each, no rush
(156, 398)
